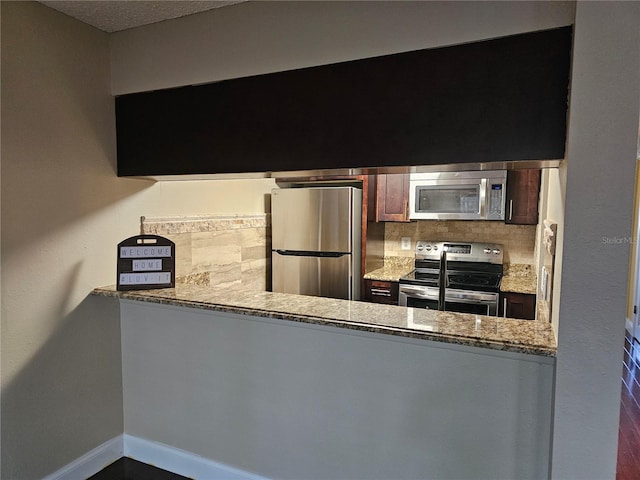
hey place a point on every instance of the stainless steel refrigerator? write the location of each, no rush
(316, 241)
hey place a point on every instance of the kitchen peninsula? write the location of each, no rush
(535, 338)
(326, 388)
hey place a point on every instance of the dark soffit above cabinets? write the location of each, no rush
(502, 100)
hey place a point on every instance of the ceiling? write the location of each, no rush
(113, 16)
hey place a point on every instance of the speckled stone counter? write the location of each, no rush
(523, 336)
(519, 278)
(388, 273)
(393, 269)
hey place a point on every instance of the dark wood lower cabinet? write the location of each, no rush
(379, 291)
(518, 305)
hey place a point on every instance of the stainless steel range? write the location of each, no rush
(455, 277)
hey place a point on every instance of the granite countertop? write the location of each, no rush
(392, 269)
(519, 278)
(522, 336)
(388, 273)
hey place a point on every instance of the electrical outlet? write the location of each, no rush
(405, 243)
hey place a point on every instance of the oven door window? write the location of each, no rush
(422, 303)
(448, 199)
(475, 308)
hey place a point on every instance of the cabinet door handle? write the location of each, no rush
(510, 208)
(380, 293)
(504, 308)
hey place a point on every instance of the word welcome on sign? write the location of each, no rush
(146, 262)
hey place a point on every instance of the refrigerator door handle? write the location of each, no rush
(298, 253)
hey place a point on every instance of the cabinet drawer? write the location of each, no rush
(379, 291)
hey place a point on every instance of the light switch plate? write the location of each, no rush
(405, 243)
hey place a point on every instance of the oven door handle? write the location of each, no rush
(418, 292)
(465, 296)
(469, 300)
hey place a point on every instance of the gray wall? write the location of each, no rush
(61, 363)
(296, 401)
(63, 212)
(599, 174)
(260, 37)
(60, 194)
(601, 162)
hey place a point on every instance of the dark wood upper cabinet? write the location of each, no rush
(523, 191)
(392, 198)
(499, 100)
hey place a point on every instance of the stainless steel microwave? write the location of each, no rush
(477, 195)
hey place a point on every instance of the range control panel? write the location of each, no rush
(460, 251)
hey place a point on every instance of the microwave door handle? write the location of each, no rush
(483, 197)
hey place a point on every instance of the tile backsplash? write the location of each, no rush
(218, 250)
(236, 249)
(518, 240)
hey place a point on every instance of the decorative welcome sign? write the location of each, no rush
(146, 262)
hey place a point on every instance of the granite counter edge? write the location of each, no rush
(301, 318)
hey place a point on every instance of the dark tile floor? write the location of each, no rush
(129, 469)
(629, 433)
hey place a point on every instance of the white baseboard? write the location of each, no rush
(160, 455)
(91, 462)
(182, 462)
